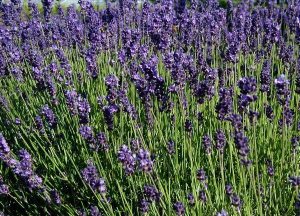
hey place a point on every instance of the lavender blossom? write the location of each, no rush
(127, 158)
(49, 116)
(228, 190)
(247, 85)
(90, 175)
(282, 90)
(265, 77)
(220, 140)
(87, 134)
(188, 125)
(206, 142)
(145, 161)
(4, 189)
(95, 211)
(224, 108)
(171, 147)
(235, 200)
(191, 199)
(295, 141)
(55, 197)
(294, 180)
(39, 124)
(222, 213)
(101, 142)
(83, 110)
(4, 147)
(144, 206)
(151, 193)
(179, 208)
(201, 175)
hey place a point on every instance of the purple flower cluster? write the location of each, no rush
(4, 148)
(22, 167)
(128, 159)
(49, 116)
(220, 140)
(284, 96)
(145, 161)
(234, 198)
(4, 189)
(295, 181)
(224, 108)
(150, 194)
(247, 87)
(95, 142)
(142, 160)
(116, 99)
(157, 67)
(90, 176)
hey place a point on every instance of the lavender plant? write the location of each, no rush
(150, 108)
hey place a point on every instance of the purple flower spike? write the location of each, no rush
(222, 213)
(87, 134)
(151, 193)
(282, 90)
(128, 159)
(90, 176)
(95, 211)
(201, 175)
(145, 161)
(4, 190)
(24, 168)
(4, 148)
(83, 110)
(247, 85)
(206, 142)
(202, 196)
(49, 116)
(144, 206)
(220, 140)
(228, 190)
(191, 199)
(295, 181)
(235, 200)
(171, 147)
(188, 125)
(179, 208)
(55, 197)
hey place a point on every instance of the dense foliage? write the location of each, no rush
(162, 108)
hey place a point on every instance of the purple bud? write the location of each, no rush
(55, 197)
(151, 193)
(228, 190)
(235, 200)
(202, 196)
(49, 115)
(201, 175)
(4, 148)
(179, 208)
(144, 206)
(4, 190)
(95, 211)
(247, 85)
(171, 147)
(295, 181)
(90, 176)
(191, 199)
(222, 213)
(188, 125)
(145, 161)
(220, 140)
(127, 158)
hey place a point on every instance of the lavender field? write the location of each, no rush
(163, 108)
